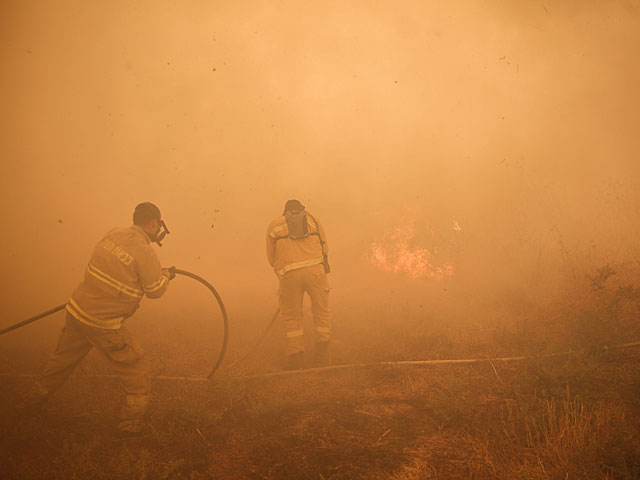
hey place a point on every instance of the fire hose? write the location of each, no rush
(293, 372)
(225, 318)
(259, 341)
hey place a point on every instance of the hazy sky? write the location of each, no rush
(518, 120)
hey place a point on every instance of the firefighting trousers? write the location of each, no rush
(126, 358)
(293, 285)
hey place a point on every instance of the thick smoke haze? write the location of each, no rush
(505, 132)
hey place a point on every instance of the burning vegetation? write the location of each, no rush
(400, 251)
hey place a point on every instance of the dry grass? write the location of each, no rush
(576, 416)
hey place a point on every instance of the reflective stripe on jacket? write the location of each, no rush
(123, 268)
(285, 254)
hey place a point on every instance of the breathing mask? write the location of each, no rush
(161, 233)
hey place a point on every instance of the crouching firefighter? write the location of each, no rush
(297, 251)
(122, 269)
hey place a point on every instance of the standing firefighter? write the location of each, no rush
(297, 251)
(123, 268)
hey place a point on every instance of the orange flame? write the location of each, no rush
(396, 253)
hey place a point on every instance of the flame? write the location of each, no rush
(397, 253)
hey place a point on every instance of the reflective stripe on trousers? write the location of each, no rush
(293, 285)
(125, 357)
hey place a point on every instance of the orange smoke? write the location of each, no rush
(398, 252)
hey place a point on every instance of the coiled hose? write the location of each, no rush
(225, 318)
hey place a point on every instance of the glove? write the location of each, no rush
(171, 272)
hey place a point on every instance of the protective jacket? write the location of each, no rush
(286, 254)
(123, 268)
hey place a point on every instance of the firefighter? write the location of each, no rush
(297, 250)
(122, 269)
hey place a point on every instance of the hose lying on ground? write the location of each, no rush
(225, 318)
(284, 373)
(401, 363)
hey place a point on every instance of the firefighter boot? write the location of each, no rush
(322, 355)
(295, 361)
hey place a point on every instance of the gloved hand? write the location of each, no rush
(171, 272)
